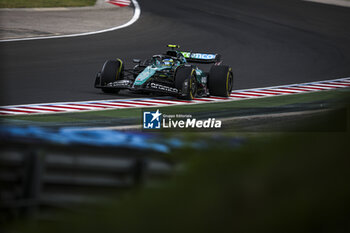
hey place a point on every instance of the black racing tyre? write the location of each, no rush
(112, 70)
(220, 81)
(185, 80)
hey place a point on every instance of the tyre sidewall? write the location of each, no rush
(219, 81)
(112, 71)
(184, 75)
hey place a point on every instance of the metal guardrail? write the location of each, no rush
(34, 177)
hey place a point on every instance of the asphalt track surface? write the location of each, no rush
(269, 42)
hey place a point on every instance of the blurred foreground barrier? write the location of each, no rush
(36, 175)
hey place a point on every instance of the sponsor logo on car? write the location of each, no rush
(203, 56)
(120, 83)
(163, 88)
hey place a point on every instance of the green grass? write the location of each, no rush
(106, 115)
(44, 3)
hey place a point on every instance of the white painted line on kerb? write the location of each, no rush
(136, 16)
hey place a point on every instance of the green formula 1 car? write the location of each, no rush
(172, 73)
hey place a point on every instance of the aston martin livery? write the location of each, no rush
(173, 73)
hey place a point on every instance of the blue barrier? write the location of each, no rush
(113, 138)
(67, 136)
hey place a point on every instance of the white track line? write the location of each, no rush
(136, 16)
(342, 3)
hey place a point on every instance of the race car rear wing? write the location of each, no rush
(202, 57)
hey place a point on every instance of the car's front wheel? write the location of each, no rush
(112, 71)
(185, 81)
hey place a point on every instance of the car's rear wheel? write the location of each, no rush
(185, 80)
(220, 81)
(112, 71)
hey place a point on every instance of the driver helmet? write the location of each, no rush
(168, 62)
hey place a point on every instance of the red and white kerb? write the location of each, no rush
(51, 108)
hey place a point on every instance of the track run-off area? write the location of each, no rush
(290, 47)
